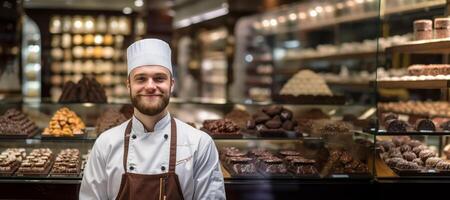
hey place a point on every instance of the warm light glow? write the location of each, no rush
(292, 16)
(302, 15)
(281, 19)
(312, 13)
(265, 23)
(273, 22)
(329, 9)
(340, 6)
(319, 9)
(139, 3)
(127, 10)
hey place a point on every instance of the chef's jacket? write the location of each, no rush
(197, 165)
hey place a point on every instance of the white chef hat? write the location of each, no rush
(149, 52)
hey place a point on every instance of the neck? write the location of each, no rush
(149, 121)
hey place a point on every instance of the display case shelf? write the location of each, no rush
(432, 133)
(416, 84)
(331, 57)
(435, 46)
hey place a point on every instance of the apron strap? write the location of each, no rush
(173, 146)
(126, 143)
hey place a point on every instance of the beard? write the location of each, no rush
(149, 108)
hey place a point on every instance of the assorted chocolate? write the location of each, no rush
(65, 123)
(221, 127)
(343, 162)
(239, 117)
(426, 109)
(429, 70)
(86, 90)
(14, 122)
(38, 162)
(109, 118)
(67, 162)
(392, 123)
(283, 163)
(237, 162)
(326, 127)
(405, 154)
(275, 120)
(10, 160)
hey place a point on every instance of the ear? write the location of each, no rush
(128, 82)
(172, 86)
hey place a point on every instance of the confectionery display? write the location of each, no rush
(442, 28)
(306, 82)
(423, 29)
(67, 162)
(86, 90)
(343, 162)
(10, 160)
(430, 70)
(237, 162)
(325, 127)
(109, 118)
(38, 162)
(221, 127)
(426, 109)
(283, 163)
(15, 123)
(405, 154)
(239, 117)
(272, 121)
(89, 45)
(64, 123)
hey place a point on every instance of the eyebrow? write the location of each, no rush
(155, 74)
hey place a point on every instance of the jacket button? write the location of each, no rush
(166, 136)
(133, 136)
(131, 168)
(163, 168)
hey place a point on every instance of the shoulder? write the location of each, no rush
(194, 135)
(112, 136)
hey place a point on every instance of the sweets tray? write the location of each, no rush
(237, 135)
(413, 132)
(310, 99)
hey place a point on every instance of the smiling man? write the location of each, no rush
(152, 155)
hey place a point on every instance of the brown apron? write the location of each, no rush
(155, 186)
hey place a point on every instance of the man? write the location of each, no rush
(152, 155)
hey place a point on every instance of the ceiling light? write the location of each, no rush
(139, 3)
(292, 16)
(127, 10)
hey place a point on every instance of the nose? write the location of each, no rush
(150, 86)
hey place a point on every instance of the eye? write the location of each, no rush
(159, 79)
(140, 79)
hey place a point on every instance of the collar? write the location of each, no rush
(138, 127)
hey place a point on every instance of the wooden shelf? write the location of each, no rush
(435, 46)
(340, 56)
(418, 84)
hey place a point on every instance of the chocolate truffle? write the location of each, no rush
(288, 125)
(425, 154)
(407, 165)
(444, 165)
(286, 114)
(419, 148)
(425, 124)
(261, 117)
(389, 116)
(272, 110)
(418, 161)
(432, 162)
(386, 145)
(414, 143)
(405, 148)
(392, 162)
(395, 125)
(409, 156)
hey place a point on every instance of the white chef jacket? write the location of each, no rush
(197, 165)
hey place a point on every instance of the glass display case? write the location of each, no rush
(326, 150)
(413, 95)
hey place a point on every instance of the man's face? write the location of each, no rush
(150, 89)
